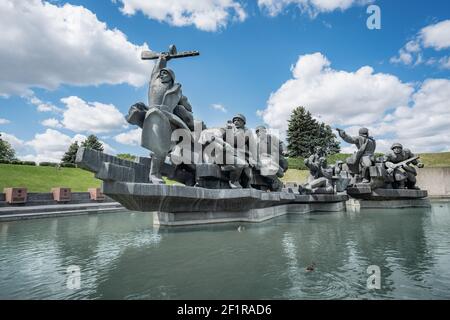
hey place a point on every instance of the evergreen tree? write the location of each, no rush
(70, 155)
(7, 152)
(305, 133)
(328, 140)
(93, 143)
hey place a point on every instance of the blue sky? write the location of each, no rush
(66, 74)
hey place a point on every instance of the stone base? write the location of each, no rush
(252, 215)
(357, 204)
(182, 205)
(366, 193)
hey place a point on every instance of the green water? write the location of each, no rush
(122, 256)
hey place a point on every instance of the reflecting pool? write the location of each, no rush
(123, 256)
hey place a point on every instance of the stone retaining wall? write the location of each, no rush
(46, 198)
(435, 180)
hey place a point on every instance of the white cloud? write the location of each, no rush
(219, 107)
(435, 36)
(40, 105)
(63, 44)
(445, 62)
(132, 137)
(403, 57)
(312, 7)
(334, 96)
(52, 123)
(17, 144)
(107, 148)
(206, 15)
(425, 125)
(78, 138)
(392, 110)
(48, 146)
(96, 117)
(4, 121)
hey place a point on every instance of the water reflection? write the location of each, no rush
(122, 255)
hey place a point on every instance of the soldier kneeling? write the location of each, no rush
(398, 163)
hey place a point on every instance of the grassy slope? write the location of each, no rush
(436, 159)
(294, 175)
(42, 179)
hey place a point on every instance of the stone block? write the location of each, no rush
(15, 195)
(61, 194)
(114, 172)
(96, 194)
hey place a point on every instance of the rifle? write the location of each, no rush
(394, 166)
(172, 54)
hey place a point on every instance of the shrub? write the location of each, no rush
(296, 163)
(16, 162)
(29, 163)
(5, 161)
(68, 165)
(48, 164)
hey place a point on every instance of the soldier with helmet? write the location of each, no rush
(404, 177)
(363, 158)
(237, 135)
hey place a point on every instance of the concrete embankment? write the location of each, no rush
(58, 210)
(42, 205)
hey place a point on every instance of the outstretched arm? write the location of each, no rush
(160, 64)
(346, 137)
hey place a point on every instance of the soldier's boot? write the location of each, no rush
(366, 175)
(155, 176)
(411, 184)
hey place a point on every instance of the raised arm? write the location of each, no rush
(347, 138)
(160, 64)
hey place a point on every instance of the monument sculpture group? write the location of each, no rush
(232, 173)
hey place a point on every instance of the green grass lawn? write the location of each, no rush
(435, 159)
(42, 179)
(295, 175)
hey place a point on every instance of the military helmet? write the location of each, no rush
(240, 116)
(396, 145)
(364, 131)
(169, 71)
(258, 128)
